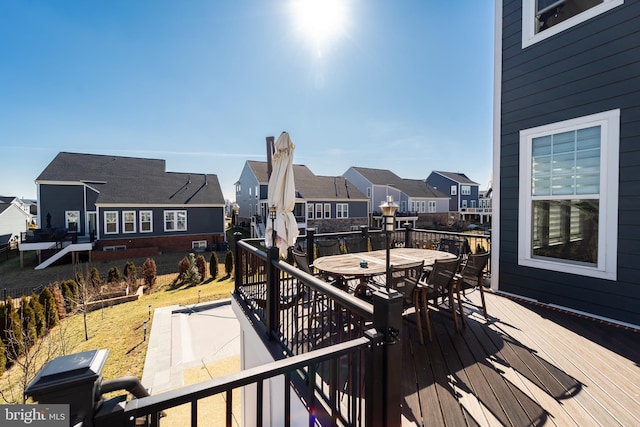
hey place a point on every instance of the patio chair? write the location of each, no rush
(356, 244)
(472, 275)
(440, 283)
(459, 248)
(378, 241)
(404, 279)
(328, 247)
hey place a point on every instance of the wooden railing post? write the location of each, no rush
(387, 320)
(273, 289)
(238, 262)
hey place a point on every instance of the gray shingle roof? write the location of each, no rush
(457, 176)
(311, 186)
(378, 176)
(418, 188)
(134, 180)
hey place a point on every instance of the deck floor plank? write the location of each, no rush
(528, 365)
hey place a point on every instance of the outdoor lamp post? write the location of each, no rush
(236, 210)
(388, 210)
(272, 215)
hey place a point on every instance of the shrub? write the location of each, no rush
(95, 278)
(183, 268)
(67, 289)
(188, 271)
(50, 310)
(130, 271)
(12, 334)
(201, 265)
(114, 276)
(38, 312)
(59, 300)
(228, 263)
(28, 322)
(213, 265)
(149, 272)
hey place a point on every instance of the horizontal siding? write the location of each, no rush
(590, 68)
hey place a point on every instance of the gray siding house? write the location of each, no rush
(418, 202)
(325, 203)
(567, 155)
(463, 192)
(126, 203)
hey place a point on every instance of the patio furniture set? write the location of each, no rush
(424, 277)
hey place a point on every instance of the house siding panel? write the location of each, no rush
(590, 68)
(56, 199)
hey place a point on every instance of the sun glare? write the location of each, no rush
(320, 20)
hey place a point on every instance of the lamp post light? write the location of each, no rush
(388, 210)
(272, 215)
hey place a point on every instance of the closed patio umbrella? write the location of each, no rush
(282, 196)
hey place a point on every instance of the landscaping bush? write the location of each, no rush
(12, 333)
(188, 271)
(183, 268)
(149, 272)
(28, 322)
(70, 298)
(201, 265)
(114, 276)
(38, 312)
(213, 265)
(130, 271)
(59, 299)
(50, 310)
(228, 263)
(95, 278)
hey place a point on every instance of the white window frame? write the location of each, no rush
(342, 210)
(175, 221)
(606, 267)
(432, 206)
(327, 210)
(115, 216)
(257, 191)
(66, 220)
(142, 214)
(125, 222)
(454, 190)
(465, 190)
(310, 210)
(199, 244)
(529, 36)
(319, 210)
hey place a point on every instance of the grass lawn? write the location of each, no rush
(121, 328)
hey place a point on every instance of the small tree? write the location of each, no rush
(12, 332)
(95, 278)
(228, 263)
(27, 316)
(50, 310)
(183, 268)
(201, 265)
(213, 265)
(59, 299)
(114, 276)
(130, 271)
(149, 272)
(38, 313)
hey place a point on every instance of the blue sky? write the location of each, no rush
(401, 85)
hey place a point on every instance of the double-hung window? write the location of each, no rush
(318, 210)
(310, 211)
(71, 220)
(342, 210)
(111, 222)
(175, 220)
(569, 196)
(542, 19)
(432, 206)
(327, 210)
(128, 221)
(146, 221)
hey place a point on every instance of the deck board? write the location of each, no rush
(527, 365)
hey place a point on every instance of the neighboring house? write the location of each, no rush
(414, 197)
(14, 218)
(463, 192)
(567, 157)
(325, 203)
(127, 203)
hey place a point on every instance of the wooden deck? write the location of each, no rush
(527, 366)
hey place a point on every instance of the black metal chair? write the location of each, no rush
(472, 276)
(328, 247)
(459, 248)
(355, 244)
(440, 283)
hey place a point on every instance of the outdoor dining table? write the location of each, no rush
(364, 265)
